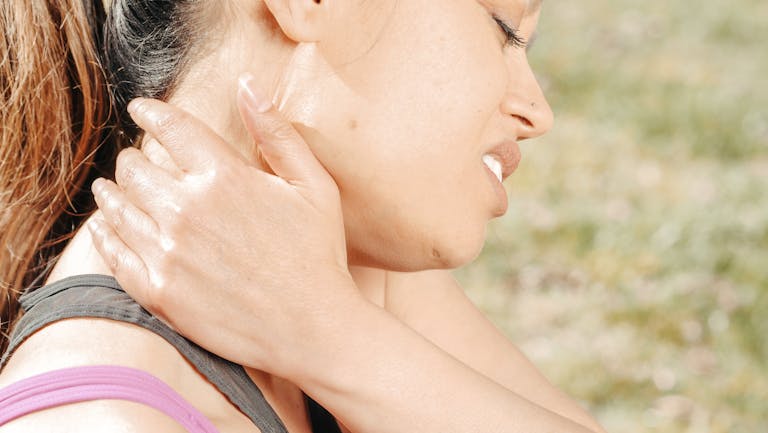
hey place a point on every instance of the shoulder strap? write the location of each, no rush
(321, 419)
(79, 384)
(101, 296)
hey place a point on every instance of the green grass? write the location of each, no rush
(632, 266)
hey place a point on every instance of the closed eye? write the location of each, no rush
(512, 37)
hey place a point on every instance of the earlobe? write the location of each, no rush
(301, 20)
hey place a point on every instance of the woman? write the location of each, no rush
(415, 142)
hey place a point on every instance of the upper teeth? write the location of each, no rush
(494, 164)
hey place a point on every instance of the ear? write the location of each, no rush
(301, 20)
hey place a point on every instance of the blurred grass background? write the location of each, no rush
(632, 266)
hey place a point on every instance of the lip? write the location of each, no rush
(508, 153)
(502, 203)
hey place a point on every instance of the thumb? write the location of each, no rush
(280, 143)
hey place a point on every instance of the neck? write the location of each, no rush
(208, 90)
(79, 257)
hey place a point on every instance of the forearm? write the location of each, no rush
(378, 375)
(429, 303)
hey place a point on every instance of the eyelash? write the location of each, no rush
(513, 38)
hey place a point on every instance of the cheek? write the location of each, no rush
(408, 161)
(428, 107)
(429, 82)
(432, 75)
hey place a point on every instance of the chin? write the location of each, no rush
(439, 252)
(452, 254)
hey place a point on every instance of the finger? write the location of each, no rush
(282, 146)
(137, 229)
(149, 187)
(126, 266)
(192, 145)
(159, 156)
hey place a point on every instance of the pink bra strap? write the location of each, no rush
(79, 384)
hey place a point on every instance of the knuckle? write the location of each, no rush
(167, 247)
(179, 210)
(165, 260)
(113, 208)
(128, 175)
(171, 123)
(174, 229)
(155, 291)
(282, 131)
(224, 175)
(159, 286)
(126, 155)
(152, 150)
(127, 169)
(121, 215)
(115, 216)
(179, 231)
(159, 295)
(120, 261)
(111, 256)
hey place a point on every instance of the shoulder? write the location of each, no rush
(91, 341)
(87, 320)
(103, 416)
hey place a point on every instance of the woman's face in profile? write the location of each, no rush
(439, 88)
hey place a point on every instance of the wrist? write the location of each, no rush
(320, 329)
(360, 344)
(336, 345)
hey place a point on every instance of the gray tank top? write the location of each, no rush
(100, 296)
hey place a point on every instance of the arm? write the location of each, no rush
(375, 373)
(378, 375)
(431, 301)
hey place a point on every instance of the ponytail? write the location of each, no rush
(53, 106)
(63, 118)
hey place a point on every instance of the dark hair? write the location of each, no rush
(67, 71)
(146, 48)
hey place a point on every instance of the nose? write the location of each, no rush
(524, 99)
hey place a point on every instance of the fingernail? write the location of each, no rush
(134, 105)
(253, 96)
(97, 185)
(143, 111)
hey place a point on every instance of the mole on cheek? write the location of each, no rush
(435, 253)
(352, 124)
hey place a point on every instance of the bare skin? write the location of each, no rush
(410, 310)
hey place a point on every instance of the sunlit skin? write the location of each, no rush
(414, 93)
(407, 154)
